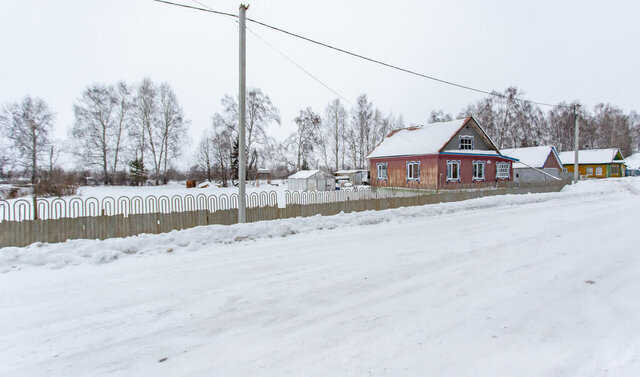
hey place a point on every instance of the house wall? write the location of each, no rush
(468, 130)
(533, 175)
(433, 171)
(397, 172)
(466, 169)
(551, 162)
(606, 170)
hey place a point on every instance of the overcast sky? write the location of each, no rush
(553, 50)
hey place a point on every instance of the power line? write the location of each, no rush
(300, 67)
(289, 59)
(388, 65)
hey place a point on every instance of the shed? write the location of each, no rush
(356, 176)
(536, 164)
(633, 165)
(311, 180)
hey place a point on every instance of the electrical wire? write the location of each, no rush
(288, 58)
(375, 61)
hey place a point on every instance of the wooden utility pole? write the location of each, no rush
(242, 175)
(576, 173)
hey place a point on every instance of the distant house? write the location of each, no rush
(311, 180)
(633, 165)
(439, 155)
(596, 163)
(536, 164)
(355, 177)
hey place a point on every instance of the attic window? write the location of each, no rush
(466, 142)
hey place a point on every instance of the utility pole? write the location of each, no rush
(576, 173)
(242, 161)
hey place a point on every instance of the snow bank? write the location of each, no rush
(76, 252)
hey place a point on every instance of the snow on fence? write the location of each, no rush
(90, 218)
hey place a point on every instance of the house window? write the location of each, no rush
(614, 170)
(453, 170)
(478, 170)
(589, 170)
(502, 170)
(382, 171)
(466, 142)
(413, 171)
(599, 170)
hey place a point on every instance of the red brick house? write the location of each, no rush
(439, 156)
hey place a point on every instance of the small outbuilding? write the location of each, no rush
(355, 177)
(633, 165)
(596, 163)
(311, 180)
(536, 164)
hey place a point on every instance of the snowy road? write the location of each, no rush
(549, 287)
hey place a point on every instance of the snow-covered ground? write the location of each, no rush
(530, 285)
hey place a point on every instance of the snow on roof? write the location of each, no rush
(420, 140)
(470, 151)
(349, 171)
(529, 156)
(591, 156)
(633, 161)
(304, 174)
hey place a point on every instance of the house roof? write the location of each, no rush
(304, 174)
(633, 161)
(593, 156)
(531, 156)
(422, 140)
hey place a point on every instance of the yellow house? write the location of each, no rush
(596, 163)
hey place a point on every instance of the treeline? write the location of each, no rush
(337, 139)
(134, 133)
(122, 133)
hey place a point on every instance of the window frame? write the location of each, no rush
(457, 163)
(508, 169)
(589, 170)
(615, 170)
(409, 165)
(465, 138)
(386, 171)
(598, 171)
(473, 170)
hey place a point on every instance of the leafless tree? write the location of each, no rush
(439, 116)
(101, 117)
(173, 128)
(307, 125)
(28, 124)
(146, 117)
(334, 127)
(205, 155)
(260, 113)
(360, 136)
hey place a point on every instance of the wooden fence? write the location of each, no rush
(26, 232)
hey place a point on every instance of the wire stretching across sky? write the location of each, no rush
(388, 65)
(289, 59)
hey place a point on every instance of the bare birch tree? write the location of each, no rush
(28, 124)
(101, 117)
(307, 125)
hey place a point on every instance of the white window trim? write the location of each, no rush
(386, 171)
(413, 163)
(465, 137)
(598, 170)
(482, 163)
(589, 168)
(503, 163)
(457, 162)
